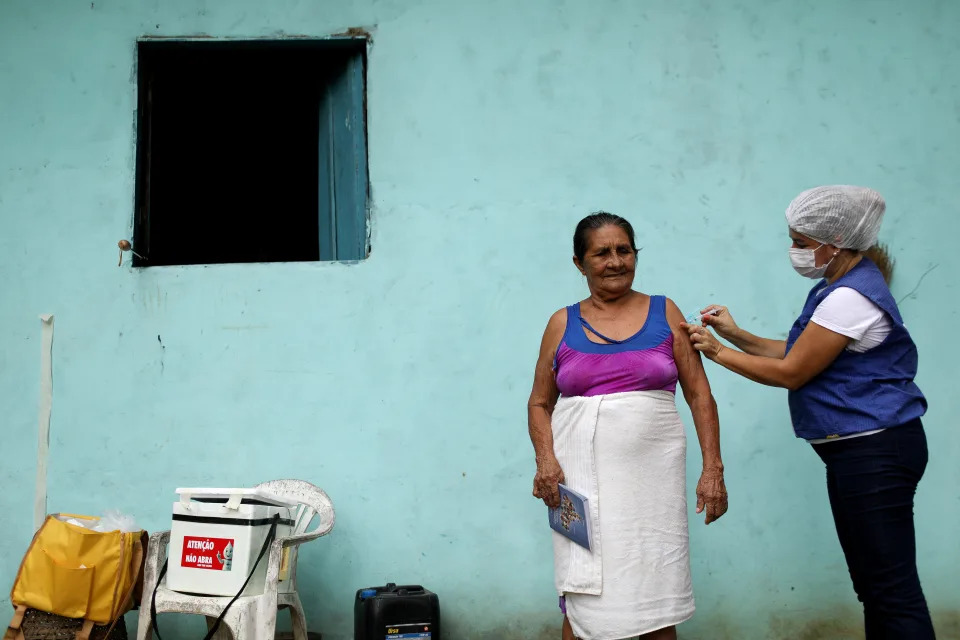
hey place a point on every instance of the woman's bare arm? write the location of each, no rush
(814, 351)
(726, 327)
(543, 398)
(711, 490)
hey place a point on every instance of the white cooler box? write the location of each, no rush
(216, 537)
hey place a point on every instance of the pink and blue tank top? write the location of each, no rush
(642, 362)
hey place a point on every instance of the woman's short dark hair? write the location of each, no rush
(596, 221)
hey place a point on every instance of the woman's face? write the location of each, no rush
(822, 253)
(609, 262)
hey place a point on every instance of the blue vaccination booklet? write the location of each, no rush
(572, 518)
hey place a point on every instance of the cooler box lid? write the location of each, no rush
(233, 497)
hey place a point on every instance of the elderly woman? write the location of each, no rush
(603, 421)
(849, 364)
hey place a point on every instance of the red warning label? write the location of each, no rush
(207, 553)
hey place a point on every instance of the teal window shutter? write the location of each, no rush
(343, 165)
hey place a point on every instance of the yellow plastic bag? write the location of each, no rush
(76, 572)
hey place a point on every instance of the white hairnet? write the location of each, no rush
(844, 216)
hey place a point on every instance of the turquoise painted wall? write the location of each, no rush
(399, 384)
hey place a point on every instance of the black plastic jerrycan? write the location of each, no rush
(406, 612)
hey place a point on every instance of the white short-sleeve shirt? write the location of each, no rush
(850, 313)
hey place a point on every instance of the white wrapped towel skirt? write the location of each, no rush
(626, 452)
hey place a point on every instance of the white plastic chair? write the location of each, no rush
(251, 617)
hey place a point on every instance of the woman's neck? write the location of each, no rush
(843, 268)
(601, 301)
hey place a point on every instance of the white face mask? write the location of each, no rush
(805, 263)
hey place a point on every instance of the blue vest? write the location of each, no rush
(859, 391)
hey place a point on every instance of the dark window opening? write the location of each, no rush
(251, 151)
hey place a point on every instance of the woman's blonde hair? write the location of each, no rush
(880, 255)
